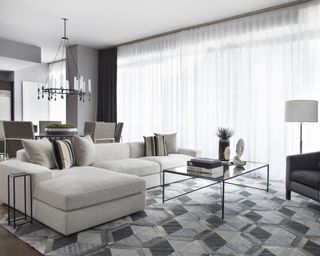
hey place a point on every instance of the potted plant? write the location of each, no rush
(61, 129)
(224, 134)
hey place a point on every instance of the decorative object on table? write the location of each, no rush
(227, 153)
(224, 134)
(205, 166)
(301, 111)
(239, 151)
(52, 87)
(204, 162)
(61, 129)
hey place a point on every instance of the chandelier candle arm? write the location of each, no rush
(53, 86)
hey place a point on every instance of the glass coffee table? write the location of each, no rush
(229, 172)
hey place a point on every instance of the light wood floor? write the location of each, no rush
(11, 245)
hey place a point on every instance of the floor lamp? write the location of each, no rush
(301, 111)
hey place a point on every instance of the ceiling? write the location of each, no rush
(103, 23)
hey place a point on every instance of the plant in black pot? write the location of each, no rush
(224, 134)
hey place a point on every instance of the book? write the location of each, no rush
(204, 162)
(212, 173)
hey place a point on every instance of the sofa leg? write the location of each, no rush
(288, 194)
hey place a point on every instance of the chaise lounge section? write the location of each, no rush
(80, 197)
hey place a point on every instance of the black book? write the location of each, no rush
(205, 162)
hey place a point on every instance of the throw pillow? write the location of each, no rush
(149, 146)
(84, 150)
(39, 152)
(63, 154)
(170, 141)
(161, 149)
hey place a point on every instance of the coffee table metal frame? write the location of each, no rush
(219, 180)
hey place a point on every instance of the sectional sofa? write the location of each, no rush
(78, 198)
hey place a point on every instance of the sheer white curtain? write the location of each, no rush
(236, 74)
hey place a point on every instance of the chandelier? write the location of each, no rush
(53, 87)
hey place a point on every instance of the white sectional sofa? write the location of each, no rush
(78, 198)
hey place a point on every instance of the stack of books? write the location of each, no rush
(206, 166)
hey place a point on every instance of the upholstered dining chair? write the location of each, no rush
(43, 125)
(89, 128)
(118, 132)
(104, 132)
(14, 132)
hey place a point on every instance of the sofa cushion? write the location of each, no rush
(39, 152)
(136, 149)
(170, 161)
(170, 141)
(133, 166)
(86, 186)
(307, 177)
(84, 150)
(63, 153)
(111, 151)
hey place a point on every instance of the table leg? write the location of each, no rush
(25, 197)
(267, 178)
(163, 185)
(31, 199)
(222, 200)
(9, 200)
(14, 202)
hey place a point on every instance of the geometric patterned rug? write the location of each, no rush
(256, 223)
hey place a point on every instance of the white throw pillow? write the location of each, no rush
(84, 150)
(39, 152)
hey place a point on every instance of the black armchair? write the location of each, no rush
(303, 175)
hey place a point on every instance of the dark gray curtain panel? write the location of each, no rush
(107, 86)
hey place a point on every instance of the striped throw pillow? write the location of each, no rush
(161, 149)
(155, 146)
(149, 146)
(63, 154)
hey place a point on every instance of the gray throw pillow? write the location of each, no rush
(170, 141)
(149, 146)
(84, 150)
(39, 152)
(161, 148)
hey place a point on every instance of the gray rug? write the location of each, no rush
(256, 223)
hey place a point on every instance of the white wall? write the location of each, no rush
(29, 74)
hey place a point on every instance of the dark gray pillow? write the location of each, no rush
(149, 146)
(170, 141)
(161, 148)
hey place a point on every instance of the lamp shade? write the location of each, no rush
(301, 111)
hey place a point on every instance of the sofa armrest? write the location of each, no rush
(38, 173)
(309, 161)
(189, 152)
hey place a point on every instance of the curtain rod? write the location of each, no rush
(214, 22)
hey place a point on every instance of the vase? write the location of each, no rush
(61, 131)
(222, 146)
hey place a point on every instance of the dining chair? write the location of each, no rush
(89, 128)
(14, 132)
(104, 132)
(118, 132)
(43, 125)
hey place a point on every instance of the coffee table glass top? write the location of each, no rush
(225, 172)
